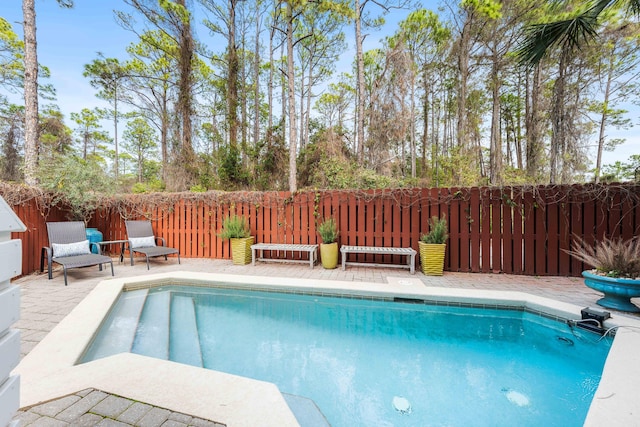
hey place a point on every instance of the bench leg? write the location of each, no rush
(344, 261)
(412, 265)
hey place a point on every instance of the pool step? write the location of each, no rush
(185, 341)
(120, 326)
(306, 411)
(152, 337)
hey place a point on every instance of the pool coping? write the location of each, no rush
(49, 371)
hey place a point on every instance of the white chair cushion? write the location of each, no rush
(71, 249)
(142, 242)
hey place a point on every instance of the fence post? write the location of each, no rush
(10, 266)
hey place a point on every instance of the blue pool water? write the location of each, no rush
(372, 363)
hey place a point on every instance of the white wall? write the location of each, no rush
(10, 266)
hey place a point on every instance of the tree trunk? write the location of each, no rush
(242, 68)
(85, 143)
(495, 152)
(185, 99)
(603, 121)
(307, 117)
(302, 112)
(425, 122)
(463, 75)
(115, 133)
(232, 80)
(557, 121)
(518, 126)
(270, 89)
(31, 143)
(293, 186)
(533, 125)
(283, 95)
(164, 137)
(360, 83)
(256, 80)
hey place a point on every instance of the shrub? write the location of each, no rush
(610, 257)
(76, 185)
(234, 227)
(328, 231)
(438, 232)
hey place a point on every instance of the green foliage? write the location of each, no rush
(10, 128)
(152, 186)
(75, 183)
(231, 172)
(328, 230)
(610, 257)
(11, 51)
(327, 163)
(54, 135)
(622, 171)
(106, 75)
(489, 8)
(438, 231)
(234, 227)
(198, 189)
(139, 139)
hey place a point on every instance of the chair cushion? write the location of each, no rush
(142, 242)
(71, 249)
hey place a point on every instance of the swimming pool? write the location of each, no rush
(372, 362)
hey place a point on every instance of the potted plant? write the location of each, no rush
(329, 247)
(616, 270)
(236, 229)
(433, 246)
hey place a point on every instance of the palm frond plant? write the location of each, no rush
(569, 32)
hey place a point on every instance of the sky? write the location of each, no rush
(70, 38)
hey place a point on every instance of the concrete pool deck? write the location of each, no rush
(45, 303)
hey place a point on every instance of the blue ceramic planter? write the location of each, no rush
(617, 292)
(94, 236)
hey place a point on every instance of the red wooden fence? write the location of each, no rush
(517, 230)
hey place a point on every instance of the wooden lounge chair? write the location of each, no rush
(141, 239)
(70, 248)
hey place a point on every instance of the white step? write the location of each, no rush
(185, 341)
(120, 326)
(306, 411)
(152, 337)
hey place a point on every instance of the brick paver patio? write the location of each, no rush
(45, 302)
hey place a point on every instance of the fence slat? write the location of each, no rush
(496, 230)
(507, 231)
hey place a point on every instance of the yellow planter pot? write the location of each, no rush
(432, 258)
(329, 255)
(241, 250)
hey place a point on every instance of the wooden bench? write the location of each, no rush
(312, 250)
(409, 252)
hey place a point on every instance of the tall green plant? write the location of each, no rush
(438, 231)
(234, 227)
(328, 231)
